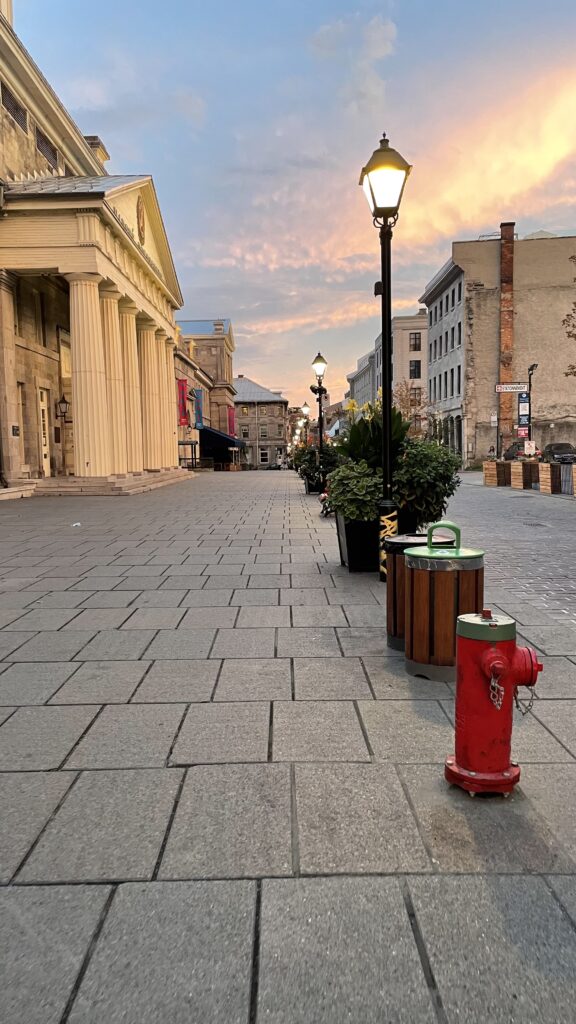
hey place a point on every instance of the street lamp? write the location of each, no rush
(531, 369)
(319, 366)
(383, 180)
(306, 411)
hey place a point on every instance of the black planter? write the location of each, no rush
(312, 488)
(359, 544)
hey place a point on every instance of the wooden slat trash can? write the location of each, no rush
(395, 580)
(441, 584)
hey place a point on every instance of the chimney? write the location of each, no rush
(6, 11)
(96, 145)
(506, 347)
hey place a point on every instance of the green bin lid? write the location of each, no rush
(486, 627)
(456, 552)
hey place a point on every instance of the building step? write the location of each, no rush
(109, 486)
(18, 489)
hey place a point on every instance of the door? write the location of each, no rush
(45, 432)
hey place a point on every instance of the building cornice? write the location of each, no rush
(443, 279)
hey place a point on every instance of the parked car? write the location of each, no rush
(559, 451)
(516, 451)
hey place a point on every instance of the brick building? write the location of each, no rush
(262, 422)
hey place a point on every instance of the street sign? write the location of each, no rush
(523, 408)
(522, 431)
(530, 447)
(494, 419)
(523, 421)
(510, 389)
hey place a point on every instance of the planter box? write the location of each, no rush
(550, 478)
(524, 474)
(497, 474)
(311, 488)
(359, 544)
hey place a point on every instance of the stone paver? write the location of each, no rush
(218, 701)
(177, 952)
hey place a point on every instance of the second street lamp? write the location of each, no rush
(531, 370)
(383, 179)
(306, 411)
(319, 366)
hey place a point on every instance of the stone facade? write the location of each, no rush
(262, 423)
(88, 293)
(511, 296)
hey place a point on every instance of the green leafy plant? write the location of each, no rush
(311, 469)
(426, 476)
(355, 490)
(363, 440)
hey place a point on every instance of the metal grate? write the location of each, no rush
(14, 108)
(44, 146)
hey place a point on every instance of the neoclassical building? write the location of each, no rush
(88, 295)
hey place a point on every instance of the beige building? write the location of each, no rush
(409, 366)
(494, 309)
(88, 293)
(262, 423)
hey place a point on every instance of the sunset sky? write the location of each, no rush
(255, 118)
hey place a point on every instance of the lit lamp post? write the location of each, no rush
(383, 179)
(306, 411)
(531, 369)
(319, 366)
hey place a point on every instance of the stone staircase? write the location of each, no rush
(133, 483)
(18, 489)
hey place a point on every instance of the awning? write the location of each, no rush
(210, 438)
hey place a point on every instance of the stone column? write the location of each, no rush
(172, 404)
(109, 298)
(163, 395)
(90, 403)
(9, 444)
(149, 387)
(132, 400)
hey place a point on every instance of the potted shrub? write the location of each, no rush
(312, 471)
(425, 477)
(355, 491)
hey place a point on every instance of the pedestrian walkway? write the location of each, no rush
(222, 799)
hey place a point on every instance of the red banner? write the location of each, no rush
(183, 403)
(231, 422)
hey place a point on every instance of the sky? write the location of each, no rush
(255, 119)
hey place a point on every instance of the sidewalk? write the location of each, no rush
(221, 797)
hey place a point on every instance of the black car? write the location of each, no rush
(559, 451)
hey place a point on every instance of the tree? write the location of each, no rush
(411, 402)
(569, 322)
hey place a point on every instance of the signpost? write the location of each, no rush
(510, 389)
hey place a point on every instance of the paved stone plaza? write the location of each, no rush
(221, 797)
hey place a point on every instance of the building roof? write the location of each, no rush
(249, 391)
(60, 185)
(197, 327)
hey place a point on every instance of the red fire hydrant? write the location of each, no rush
(489, 668)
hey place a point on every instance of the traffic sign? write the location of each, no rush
(522, 431)
(510, 389)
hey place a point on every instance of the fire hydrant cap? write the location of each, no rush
(490, 630)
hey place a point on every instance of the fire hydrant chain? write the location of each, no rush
(524, 708)
(496, 692)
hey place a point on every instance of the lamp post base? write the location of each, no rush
(388, 528)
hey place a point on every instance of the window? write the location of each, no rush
(415, 396)
(459, 291)
(459, 334)
(14, 108)
(434, 388)
(415, 338)
(459, 380)
(452, 383)
(417, 422)
(453, 297)
(446, 343)
(263, 431)
(264, 457)
(39, 318)
(429, 390)
(263, 410)
(244, 410)
(44, 146)
(445, 383)
(430, 318)
(430, 353)
(435, 314)
(435, 347)
(245, 432)
(440, 307)
(279, 429)
(451, 337)
(415, 366)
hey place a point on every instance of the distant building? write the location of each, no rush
(262, 420)
(362, 380)
(495, 308)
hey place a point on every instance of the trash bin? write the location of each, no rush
(395, 580)
(441, 583)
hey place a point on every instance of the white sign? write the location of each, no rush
(530, 447)
(494, 419)
(523, 408)
(510, 389)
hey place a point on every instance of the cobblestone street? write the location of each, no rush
(222, 799)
